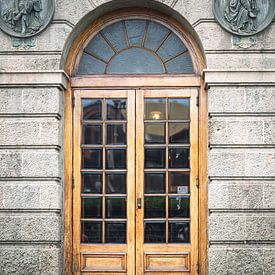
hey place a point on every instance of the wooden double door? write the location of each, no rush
(135, 200)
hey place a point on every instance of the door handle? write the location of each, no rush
(139, 203)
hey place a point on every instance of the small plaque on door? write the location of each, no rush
(182, 189)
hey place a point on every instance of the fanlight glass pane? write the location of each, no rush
(135, 61)
(135, 46)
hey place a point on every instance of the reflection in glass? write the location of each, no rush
(171, 47)
(116, 134)
(91, 232)
(179, 207)
(179, 108)
(154, 207)
(115, 232)
(154, 232)
(135, 31)
(154, 158)
(92, 109)
(91, 183)
(154, 183)
(116, 109)
(116, 183)
(179, 232)
(91, 208)
(116, 207)
(92, 158)
(154, 108)
(90, 65)
(179, 133)
(179, 183)
(154, 133)
(99, 48)
(179, 157)
(135, 61)
(116, 158)
(180, 64)
(92, 134)
(156, 34)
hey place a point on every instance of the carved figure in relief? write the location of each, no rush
(24, 16)
(242, 15)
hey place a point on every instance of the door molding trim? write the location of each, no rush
(133, 82)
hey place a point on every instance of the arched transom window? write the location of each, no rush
(135, 46)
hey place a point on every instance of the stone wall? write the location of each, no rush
(241, 157)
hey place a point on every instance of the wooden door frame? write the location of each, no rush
(133, 82)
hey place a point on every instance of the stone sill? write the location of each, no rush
(238, 77)
(35, 79)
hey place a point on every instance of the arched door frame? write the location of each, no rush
(135, 82)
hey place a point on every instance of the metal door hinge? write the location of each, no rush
(73, 101)
(198, 182)
(198, 101)
(72, 182)
(72, 267)
(198, 268)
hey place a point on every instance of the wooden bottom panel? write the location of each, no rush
(167, 262)
(98, 263)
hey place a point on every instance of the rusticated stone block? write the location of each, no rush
(34, 195)
(30, 227)
(224, 163)
(245, 261)
(226, 99)
(237, 131)
(10, 100)
(226, 228)
(269, 195)
(269, 131)
(29, 260)
(269, 260)
(260, 228)
(41, 164)
(217, 261)
(51, 132)
(235, 195)
(10, 164)
(42, 100)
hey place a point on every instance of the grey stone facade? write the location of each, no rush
(240, 85)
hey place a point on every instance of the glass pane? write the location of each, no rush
(92, 134)
(154, 183)
(154, 133)
(179, 183)
(91, 183)
(181, 64)
(116, 134)
(115, 232)
(155, 35)
(90, 65)
(91, 208)
(179, 133)
(179, 108)
(116, 158)
(91, 232)
(135, 61)
(92, 109)
(116, 35)
(179, 158)
(92, 158)
(116, 208)
(179, 232)
(154, 158)
(171, 47)
(116, 183)
(99, 47)
(135, 31)
(155, 108)
(154, 232)
(179, 207)
(116, 109)
(154, 207)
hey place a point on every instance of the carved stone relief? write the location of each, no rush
(244, 17)
(25, 18)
